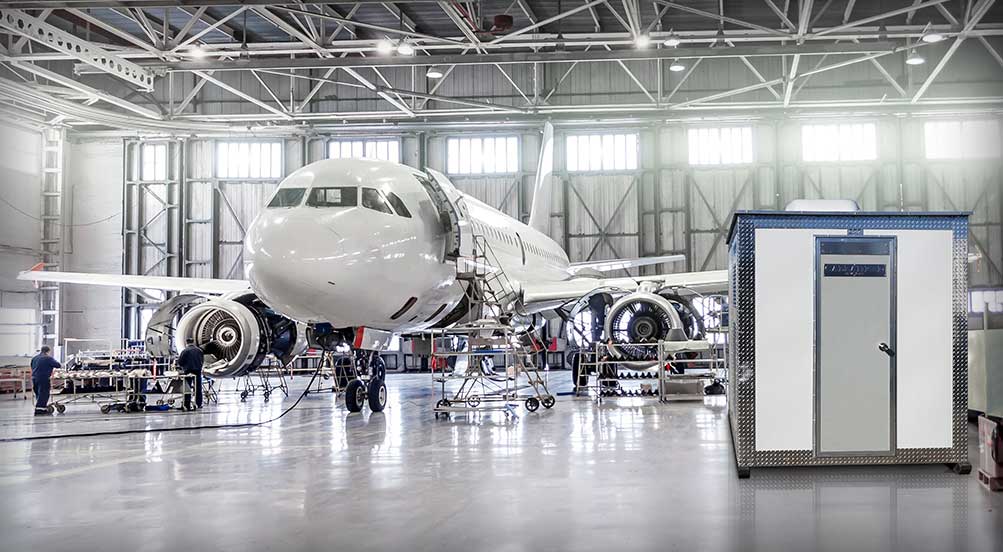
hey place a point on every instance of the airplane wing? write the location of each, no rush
(714, 281)
(618, 264)
(165, 283)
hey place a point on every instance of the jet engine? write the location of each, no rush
(234, 332)
(642, 317)
(228, 333)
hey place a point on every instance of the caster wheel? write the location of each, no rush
(377, 395)
(266, 397)
(532, 404)
(355, 395)
(50, 409)
(744, 473)
(243, 396)
(549, 401)
(60, 408)
(963, 468)
(443, 403)
(473, 401)
(105, 409)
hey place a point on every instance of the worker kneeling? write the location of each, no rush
(190, 363)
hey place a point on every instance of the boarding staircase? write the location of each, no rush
(486, 334)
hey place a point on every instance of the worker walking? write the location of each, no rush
(42, 366)
(190, 362)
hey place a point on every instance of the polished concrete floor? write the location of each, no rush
(628, 475)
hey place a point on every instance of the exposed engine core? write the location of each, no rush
(642, 317)
(228, 333)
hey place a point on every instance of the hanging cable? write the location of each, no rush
(306, 390)
(29, 215)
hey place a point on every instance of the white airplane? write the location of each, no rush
(354, 251)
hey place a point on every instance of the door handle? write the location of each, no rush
(884, 348)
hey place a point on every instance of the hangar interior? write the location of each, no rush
(145, 138)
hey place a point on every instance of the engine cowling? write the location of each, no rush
(639, 318)
(229, 333)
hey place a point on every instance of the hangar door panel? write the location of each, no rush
(855, 346)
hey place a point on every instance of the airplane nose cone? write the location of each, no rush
(289, 259)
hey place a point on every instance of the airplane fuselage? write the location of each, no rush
(360, 243)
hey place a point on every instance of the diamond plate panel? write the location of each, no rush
(742, 369)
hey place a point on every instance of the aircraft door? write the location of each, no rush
(453, 213)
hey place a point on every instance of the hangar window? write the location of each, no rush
(373, 199)
(601, 152)
(962, 139)
(383, 150)
(842, 142)
(494, 155)
(342, 196)
(153, 160)
(249, 160)
(720, 146)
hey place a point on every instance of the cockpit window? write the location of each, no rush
(287, 197)
(341, 196)
(398, 204)
(373, 199)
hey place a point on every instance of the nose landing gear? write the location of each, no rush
(370, 388)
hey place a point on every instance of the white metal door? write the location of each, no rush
(854, 346)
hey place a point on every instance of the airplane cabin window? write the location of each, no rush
(287, 197)
(373, 199)
(342, 196)
(398, 204)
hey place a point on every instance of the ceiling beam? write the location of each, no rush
(977, 13)
(84, 4)
(533, 57)
(53, 37)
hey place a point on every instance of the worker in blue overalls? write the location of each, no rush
(190, 363)
(42, 366)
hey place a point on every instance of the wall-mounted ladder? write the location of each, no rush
(49, 300)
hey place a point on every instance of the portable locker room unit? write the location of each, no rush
(848, 338)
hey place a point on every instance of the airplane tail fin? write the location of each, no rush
(539, 215)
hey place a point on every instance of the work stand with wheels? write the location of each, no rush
(266, 380)
(655, 370)
(465, 354)
(473, 383)
(133, 391)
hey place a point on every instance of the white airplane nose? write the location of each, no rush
(291, 261)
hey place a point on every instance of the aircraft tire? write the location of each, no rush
(355, 395)
(377, 395)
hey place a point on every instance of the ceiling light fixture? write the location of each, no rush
(642, 41)
(385, 47)
(932, 37)
(434, 73)
(405, 49)
(915, 59)
(198, 52)
(673, 40)
(676, 66)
